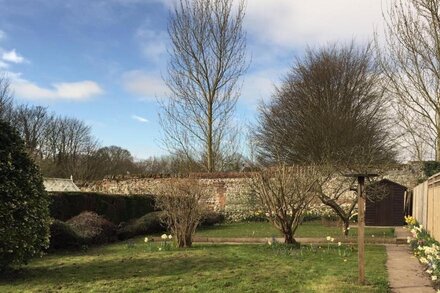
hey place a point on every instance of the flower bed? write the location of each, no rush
(425, 248)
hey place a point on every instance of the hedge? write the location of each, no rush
(114, 207)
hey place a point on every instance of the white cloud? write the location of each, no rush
(139, 118)
(13, 57)
(152, 43)
(2, 35)
(3, 65)
(293, 23)
(260, 86)
(75, 91)
(144, 84)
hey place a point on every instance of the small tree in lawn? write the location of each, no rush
(183, 204)
(286, 192)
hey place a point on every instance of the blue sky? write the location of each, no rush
(102, 61)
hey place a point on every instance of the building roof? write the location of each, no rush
(59, 184)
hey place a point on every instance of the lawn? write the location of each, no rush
(204, 268)
(265, 229)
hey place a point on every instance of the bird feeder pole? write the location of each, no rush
(361, 223)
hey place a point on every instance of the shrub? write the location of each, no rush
(93, 228)
(212, 218)
(148, 224)
(431, 167)
(24, 214)
(63, 236)
(183, 203)
(115, 207)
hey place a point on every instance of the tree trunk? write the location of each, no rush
(210, 154)
(289, 239)
(437, 146)
(346, 226)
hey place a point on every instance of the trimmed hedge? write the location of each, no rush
(116, 208)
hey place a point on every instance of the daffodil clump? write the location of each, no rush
(426, 248)
(344, 251)
(165, 244)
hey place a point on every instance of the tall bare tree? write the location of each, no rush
(6, 106)
(207, 59)
(31, 122)
(330, 108)
(68, 148)
(411, 63)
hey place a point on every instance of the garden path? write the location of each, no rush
(405, 273)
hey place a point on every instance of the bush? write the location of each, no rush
(93, 228)
(114, 207)
(24, 214)
(183, 204)
(148, 224)
(431, 167)
(63, 236)
(212, 218)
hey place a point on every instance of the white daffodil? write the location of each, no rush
(146, 239)
(164, 236)
(170, 236)
(328, 238)
(339, 243)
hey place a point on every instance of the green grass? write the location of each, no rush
(265, 229)
(204, 268)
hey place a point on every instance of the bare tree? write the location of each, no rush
(411, 64)
(183, 203)
(31, 122)
(329, 108)
(6, 106)
(68, 148)
(112, 161)
(286, 192)
(207, 59)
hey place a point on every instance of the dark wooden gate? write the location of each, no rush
(385, 204)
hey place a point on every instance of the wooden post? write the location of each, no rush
(361, 230)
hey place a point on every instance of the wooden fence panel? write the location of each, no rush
(426, 205)
(420, 204)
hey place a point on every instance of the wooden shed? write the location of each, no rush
(385, 204)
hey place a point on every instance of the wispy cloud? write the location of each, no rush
(13, 57)
(74, 91)
(152, 42)
(146, 85)
(3, 65)
(139, 119)
(2, 35)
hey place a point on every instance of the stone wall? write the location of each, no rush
(229, 192)
(224, 192)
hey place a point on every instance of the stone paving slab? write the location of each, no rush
(405, 273)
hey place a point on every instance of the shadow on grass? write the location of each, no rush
(208, 266)
(85, 268)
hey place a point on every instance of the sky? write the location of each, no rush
(103, 61)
